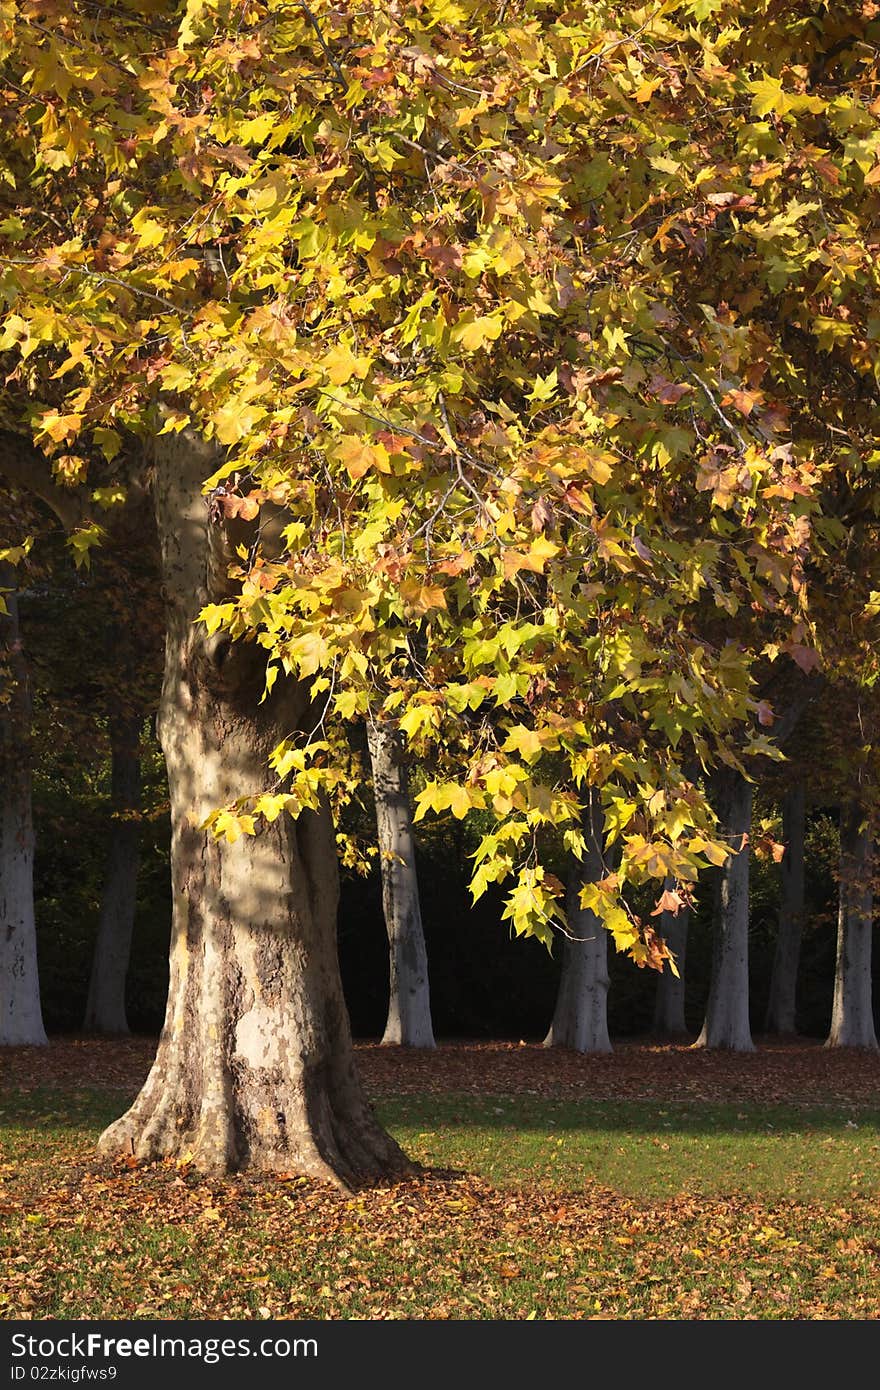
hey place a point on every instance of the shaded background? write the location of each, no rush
(484, 983)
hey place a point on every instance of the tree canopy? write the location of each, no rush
(536, 350)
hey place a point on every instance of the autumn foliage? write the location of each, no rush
(537, 344)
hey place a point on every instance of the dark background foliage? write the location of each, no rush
(484, 983)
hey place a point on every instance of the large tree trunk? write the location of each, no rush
(255, 1066)
(409, 999)
(727, 1012)
(852, 1016)
(782, 1003)
(669, 1020)
(105, 1006)
(580, 1019)
(21, 1019)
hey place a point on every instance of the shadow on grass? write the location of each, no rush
(48, 1108)
(87, 1109)
(706, 1118)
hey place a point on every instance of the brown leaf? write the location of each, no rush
(542, 515)
(765, 714)
(665, 391)
(806, 657)
(442, 256)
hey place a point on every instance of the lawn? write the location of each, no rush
(656, 1183)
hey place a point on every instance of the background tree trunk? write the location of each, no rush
(255, 1066)
(21, 1019)
(781, 1006)
(409, 999)
(727, 1012)
(580, 1019)
(105, 1005)
(852, 1015)
(669, 1020)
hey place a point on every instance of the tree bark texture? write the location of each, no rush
(255, 1068)
(580, 1019)
(727, 1012)
(669, 1020)
(21, 1019)
(852, 1014)
(409, 998)
(105, 1005)
(782, 1003)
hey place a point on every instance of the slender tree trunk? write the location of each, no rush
(105, 1006)
(781, 1005)
(852, 1016)
(255, 1067)
(409, 999)
(669, 1020)
(727, 1012)
(580, 1019)
(21, 1019)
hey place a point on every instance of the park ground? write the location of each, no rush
(657, 1182)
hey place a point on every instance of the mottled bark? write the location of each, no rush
(105, 1005)
(782, 1003)
(669, 1020)
(852, 1015)
(21, 1019)
(727, 1012)
(255, 1066)
(580, 1019)
(409, 999)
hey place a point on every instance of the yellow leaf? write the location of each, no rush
(358, 456)
(525, 741)
(213, 614)
(309, 651)
(231, 826)
(716, 854)
(474, 334)
(534, 559)
(422, 598)
(768, 96)
(270, 806)
(59, 427)
(108, 441)
(341, 365)
(149, 232)
(234, 421)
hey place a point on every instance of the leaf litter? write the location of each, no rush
(80, 1237)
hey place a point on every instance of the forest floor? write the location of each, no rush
(654, 1182)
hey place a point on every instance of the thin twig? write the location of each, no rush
(713, 401)
(338, 75)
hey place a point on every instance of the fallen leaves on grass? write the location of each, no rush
(80, 1238)
(779, 1072)
(86, 1239)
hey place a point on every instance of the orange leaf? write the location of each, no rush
(359, 456)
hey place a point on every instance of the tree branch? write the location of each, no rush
(27, 468)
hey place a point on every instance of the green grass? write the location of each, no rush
(563, 1209)
(646, 1149)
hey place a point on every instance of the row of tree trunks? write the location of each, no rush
(580, 1018)
(21, 1019)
